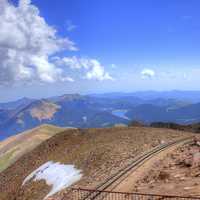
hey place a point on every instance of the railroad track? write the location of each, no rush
(113, 181)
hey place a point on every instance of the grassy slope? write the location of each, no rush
(97, 152)
(14, 147)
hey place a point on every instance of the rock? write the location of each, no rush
(162, 142)
(151, 186)
(187, 162)
(196, 159)
(196, 141)
(187, 188)
(177, 176)
(182, 178)
(195, 173)
(163, 175)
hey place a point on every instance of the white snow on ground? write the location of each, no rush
(57, 175)
(120, 113)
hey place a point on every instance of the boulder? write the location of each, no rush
(196, 159)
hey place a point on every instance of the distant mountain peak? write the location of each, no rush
(67, 97)
(104, 110)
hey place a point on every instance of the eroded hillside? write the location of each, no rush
(14, 147)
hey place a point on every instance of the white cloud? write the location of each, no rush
(70, 26)
(71, 62)
(26, 44)
(147, 73)
(113, 66)
(68, 79)
(93, 68)
(97, 71)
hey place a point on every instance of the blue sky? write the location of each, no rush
(123, 45)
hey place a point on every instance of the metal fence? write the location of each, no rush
(87, 194)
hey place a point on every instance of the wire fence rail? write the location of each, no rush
(79, 194)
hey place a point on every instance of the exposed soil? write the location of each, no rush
(97, 152)
(178, 173)
(143, 170)
(45, 110)
(14, 147)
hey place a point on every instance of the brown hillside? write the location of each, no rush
(14, 147)
(97, 152)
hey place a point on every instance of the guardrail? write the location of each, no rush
(80, 193)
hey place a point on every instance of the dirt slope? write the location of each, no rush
(14, 147)
(179, 169)
(97, 152)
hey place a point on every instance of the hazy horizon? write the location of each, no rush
(100, 93)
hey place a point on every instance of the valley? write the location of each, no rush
(95, 111)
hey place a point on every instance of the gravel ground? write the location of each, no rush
(177, 174)
(97, 152)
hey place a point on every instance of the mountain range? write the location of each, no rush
(99, 110)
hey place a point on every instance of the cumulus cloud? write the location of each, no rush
(27, 43)
(97, 71)
(93, 68)
(71, 62)
(147, 73)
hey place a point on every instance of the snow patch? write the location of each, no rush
(120, 113)
(57, 175)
